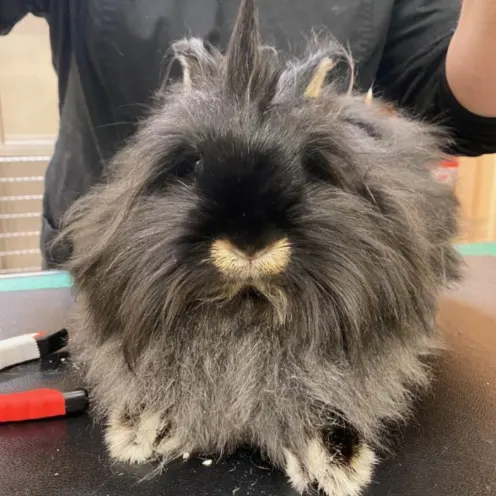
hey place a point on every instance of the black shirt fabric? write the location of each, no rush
(110, 57)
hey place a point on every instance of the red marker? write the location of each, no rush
(40, 404)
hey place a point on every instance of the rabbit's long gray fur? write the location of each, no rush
(181, 359)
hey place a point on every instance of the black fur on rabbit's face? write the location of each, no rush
(262, 265)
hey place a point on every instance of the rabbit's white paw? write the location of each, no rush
(133, 440)
(335, 477)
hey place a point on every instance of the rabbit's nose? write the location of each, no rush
(250, 263)
(248, 252)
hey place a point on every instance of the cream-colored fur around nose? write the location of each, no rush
(233, 262)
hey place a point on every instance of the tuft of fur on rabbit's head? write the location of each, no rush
(265, 229)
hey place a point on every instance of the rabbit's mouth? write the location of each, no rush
(257, 295)
(251, 280)
(243, 265)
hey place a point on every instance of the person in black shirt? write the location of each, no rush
(432, 57)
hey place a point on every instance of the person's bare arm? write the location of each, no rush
(471, 58)
(413, 72)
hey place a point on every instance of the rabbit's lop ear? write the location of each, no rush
(199, 60)
(316, 84)
(308, 76)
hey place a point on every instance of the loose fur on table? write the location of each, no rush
(262, 265)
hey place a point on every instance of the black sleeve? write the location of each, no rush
(12, 11)
(412, 73)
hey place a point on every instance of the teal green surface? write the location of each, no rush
(478, 249)
(57, 280)
(43, 280)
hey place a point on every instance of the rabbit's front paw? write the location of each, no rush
(132, 439)
(334, 475)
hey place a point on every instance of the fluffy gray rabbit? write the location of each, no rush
(262, 265)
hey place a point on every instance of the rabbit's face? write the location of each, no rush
(269, 194)
(246, 196)
(254, 199)
(228, 199)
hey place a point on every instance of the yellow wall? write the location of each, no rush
(28, 84)
(476, 188)
(28, 126)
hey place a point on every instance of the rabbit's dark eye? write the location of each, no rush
(335, 170)
(321, 166)
(317, 168)
(185, 166)
(182, 165)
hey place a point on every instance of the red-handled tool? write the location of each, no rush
(41, 403)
